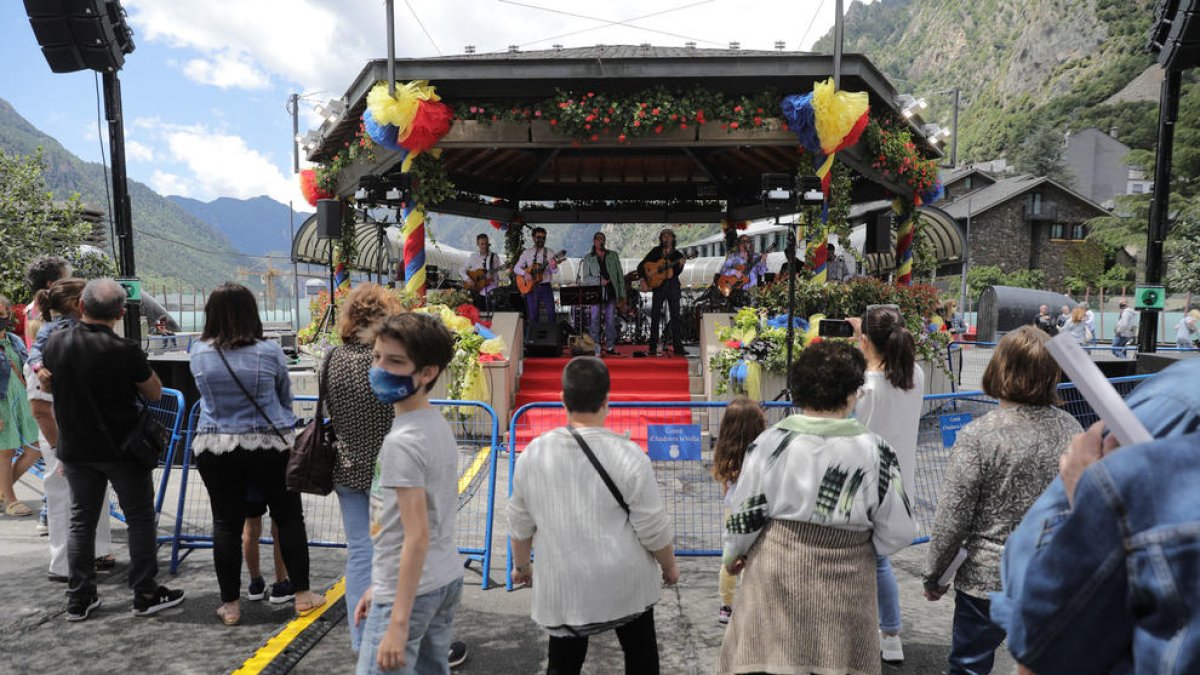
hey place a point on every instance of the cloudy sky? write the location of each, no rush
(206, 88)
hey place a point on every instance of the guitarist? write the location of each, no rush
(541, 298)
(489, 264)
(747, 267)
(603, 267)
(668, 292)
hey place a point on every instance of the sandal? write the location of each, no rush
(106, 562)
(228, 617)
(18, 509)
(315, 602)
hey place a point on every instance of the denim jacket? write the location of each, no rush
(43, 334)
(1111, 584)
(262, 370)
(6, 369)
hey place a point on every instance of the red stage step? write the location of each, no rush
(632, 379)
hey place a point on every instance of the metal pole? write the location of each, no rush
(1168, 111)
(966, 259)
(123, 218)
(294, 108)
(954, 132)
(839, 29)
(295, 267)
(391, 46)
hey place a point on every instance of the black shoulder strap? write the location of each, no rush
(612, 487)
(247, 393)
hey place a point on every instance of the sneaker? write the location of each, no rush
(282, 592)
(724, 613)
(458, 654)
(163, 598)
(43, 527)
(890, 649)
(257, 590)
(79, 608)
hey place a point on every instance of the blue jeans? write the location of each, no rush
(539, 303)
(356, 520)
(610, 324)
(430, 631)
(1119, 343)
(888, 594)
(974, 638)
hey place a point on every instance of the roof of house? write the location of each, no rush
(955, 175)
(599, 51)
(990, 196)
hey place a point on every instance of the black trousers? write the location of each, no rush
(135, 491)
(638, 641)
(227, 476)
(669, 293)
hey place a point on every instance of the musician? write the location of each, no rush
(489, 263)
(744, 264)
(668, 292)
(541, 298)
(602, 267)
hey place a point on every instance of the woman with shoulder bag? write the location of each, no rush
(360, 422)
(245, 431)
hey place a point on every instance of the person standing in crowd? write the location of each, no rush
(57, 308)
(97, 378)
(836, 267)
(243, 436)
(1076, 325)
(1089, 319)
(1111, 511)
(743, 422)
(601, 267)
(416, 581)
(818, 497)
(999, 465)
(280, 591)
(485, 265)
(18, 429)
(604, 576)
(890, 406)
(954, 320)
(1064, 315)
(1187, 331)
(669, 293)
(1126, 327)
(539, 302)
(1046, 322)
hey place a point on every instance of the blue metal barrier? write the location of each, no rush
(477, 430)
(693, 499)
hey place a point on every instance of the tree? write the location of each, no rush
(1183, 264)
(31, 223)
(1041, 154)
(1084, 265)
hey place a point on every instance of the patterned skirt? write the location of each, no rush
(806, 604)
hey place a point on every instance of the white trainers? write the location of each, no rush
(890, 649)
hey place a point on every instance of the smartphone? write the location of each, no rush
(835, 328)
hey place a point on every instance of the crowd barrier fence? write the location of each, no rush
(477, 430)
(693, 498)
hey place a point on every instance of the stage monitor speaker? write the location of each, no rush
(329, 218)
(81, 34)
(544, 339)
(879, 235)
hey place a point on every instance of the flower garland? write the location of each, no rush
(588, 115)
(893, 152)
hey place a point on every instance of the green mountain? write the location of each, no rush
(1022, 65)
(171, 246)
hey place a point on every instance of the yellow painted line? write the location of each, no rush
(280, 641)
(481, 458)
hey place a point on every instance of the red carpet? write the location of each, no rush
(658, 378)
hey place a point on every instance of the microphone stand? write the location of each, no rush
(785, 393)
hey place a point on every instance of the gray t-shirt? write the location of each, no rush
(419, 451)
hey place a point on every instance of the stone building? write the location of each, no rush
(1019, 222)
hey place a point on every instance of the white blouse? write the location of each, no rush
(592, 562)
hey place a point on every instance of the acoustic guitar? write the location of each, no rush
(536, 271)
(655, 273)
(477, 280)
(726, 283)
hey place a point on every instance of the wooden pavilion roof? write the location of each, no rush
(690, 169)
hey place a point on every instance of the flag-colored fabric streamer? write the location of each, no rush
(826, 121)
(414, 249)
(384, 135)
(310, 189)
(341, 278)
(820, 266)
(399, 110)
(905, 229)
(432, 121)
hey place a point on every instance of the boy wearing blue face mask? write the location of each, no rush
(416, 576)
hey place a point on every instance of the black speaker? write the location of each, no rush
(329, 218)
(544, 339)
(80, 34)
(879, 235)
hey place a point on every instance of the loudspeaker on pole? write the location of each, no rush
(329, 218)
